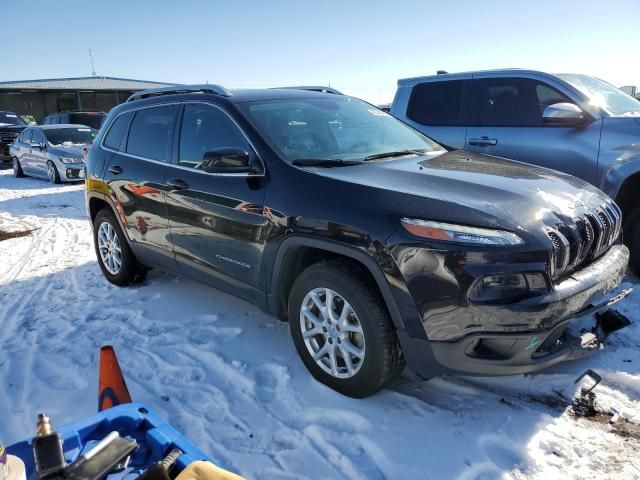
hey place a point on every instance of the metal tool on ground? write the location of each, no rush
(584, 404)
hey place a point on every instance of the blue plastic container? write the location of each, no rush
(155, 437)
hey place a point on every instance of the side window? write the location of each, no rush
(512, 102)
(206, 128)
(113, 138)
(151, 131)
(26, 136)
(36, 138)
(63, 119)
(46, 121)
(55, 119)
(548, 96)
(436, 103)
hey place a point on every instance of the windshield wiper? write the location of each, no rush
(324, 162)
(398, 153)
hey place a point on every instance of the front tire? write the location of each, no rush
(341, 330)
(52, 173)
(632, 240)
(116, 260)
(17, 168)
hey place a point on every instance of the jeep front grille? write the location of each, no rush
(584, 239)
(8, 137)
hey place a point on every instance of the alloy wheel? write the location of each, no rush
(332, 333)
(51, 172)
(109, 248)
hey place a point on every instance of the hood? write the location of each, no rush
(11, 127)
(68, 150)
(478, 190)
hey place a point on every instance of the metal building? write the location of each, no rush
(40, 98)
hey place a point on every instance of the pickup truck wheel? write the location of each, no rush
(632, 240)
(116, 260)
(341, 331)
(17, 168)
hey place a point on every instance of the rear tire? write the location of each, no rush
(116, 260)
(17, 168)
(632, 240)
(366, 331)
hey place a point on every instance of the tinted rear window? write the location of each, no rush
(436, 103)
(150, 132)
(113, 138)
(93, 120)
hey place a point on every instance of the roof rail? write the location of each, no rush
(154, 92)
(314, 88)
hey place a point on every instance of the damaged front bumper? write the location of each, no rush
(551, 337)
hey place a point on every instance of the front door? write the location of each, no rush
(506, 121)
(216, 219)
(136, 173)
(38, 155)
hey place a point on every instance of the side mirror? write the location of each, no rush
(39, 146)
(564, 113)
(226, 160)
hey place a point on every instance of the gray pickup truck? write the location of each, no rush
(573, 123)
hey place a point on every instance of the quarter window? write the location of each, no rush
(150, 133)
(513, 102)
(437, 103)
(205, 128)
(116, 132)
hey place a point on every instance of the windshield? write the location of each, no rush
(11, 119)
(333, 128)
(60, 136)
(604, 95)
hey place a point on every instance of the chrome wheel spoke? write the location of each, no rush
(352, 349)
(333, 361)
(313, 332)
(346, 356)
(317, 356)
(352, 328)
(311, 317)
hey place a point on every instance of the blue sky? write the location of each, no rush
(360, 47)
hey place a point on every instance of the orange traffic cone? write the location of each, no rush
(112, 389)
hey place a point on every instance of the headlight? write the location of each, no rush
(448, 232)
(68, 160)
(507, 287)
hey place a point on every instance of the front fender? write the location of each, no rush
(375, 259)
(626, 164)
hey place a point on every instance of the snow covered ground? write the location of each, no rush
(227, 375)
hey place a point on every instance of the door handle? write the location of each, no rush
(483, 141)
(116, 170)
(177, 184)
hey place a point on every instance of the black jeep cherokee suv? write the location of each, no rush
(376, 244)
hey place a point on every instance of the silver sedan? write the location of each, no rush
(54, 152)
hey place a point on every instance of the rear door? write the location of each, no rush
(216, 219)
(136, 172)
(436, 108)
(506, 121)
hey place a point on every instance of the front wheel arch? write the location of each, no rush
(297, 253)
